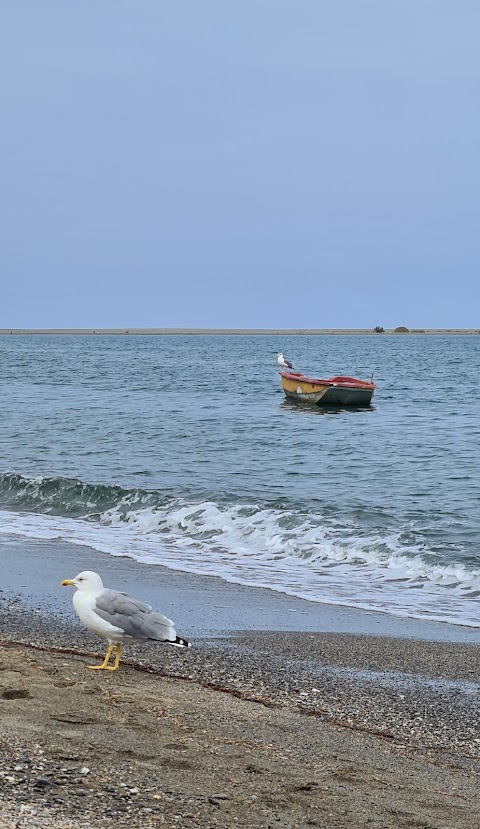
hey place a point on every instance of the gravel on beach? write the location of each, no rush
(258, 730)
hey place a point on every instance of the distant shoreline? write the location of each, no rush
(232, 331)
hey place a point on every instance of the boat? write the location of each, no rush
(335, 391)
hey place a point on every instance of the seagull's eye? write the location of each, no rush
(81, 579)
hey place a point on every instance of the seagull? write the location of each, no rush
(118, 618)
(282, 362)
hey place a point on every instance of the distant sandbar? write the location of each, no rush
(234, 331)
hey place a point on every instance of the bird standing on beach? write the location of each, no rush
(282, 362)
(118, 618)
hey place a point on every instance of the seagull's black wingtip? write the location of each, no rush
(181, 643)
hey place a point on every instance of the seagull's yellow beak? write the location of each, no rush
(68, 583)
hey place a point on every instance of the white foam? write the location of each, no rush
(303, 555)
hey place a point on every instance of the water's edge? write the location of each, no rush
(201, 606)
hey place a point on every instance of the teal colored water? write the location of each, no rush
(182, 451)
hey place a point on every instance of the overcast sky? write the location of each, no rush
(240, 164)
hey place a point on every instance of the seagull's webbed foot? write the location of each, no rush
(104, 665)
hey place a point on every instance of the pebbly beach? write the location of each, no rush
(310, 722)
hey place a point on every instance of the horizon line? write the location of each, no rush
(233, 331)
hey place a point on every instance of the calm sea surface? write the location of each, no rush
(182, 451)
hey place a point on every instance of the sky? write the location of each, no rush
(264, 163)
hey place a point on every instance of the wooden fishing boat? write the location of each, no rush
(336, 391)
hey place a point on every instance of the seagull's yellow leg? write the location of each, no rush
(115, 665)
(103, 666)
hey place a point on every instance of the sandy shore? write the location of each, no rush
(309, 727)
(234, 331)
(229, 738)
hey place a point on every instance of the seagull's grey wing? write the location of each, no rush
(288, 364)
(121, 593)
(135, 618)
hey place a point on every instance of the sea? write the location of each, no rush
(182, 451)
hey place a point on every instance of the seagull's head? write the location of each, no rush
(280, 355)
(88, 580)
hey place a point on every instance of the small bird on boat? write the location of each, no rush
(118, 618)
(282, 362)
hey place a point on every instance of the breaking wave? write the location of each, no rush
(308, 553)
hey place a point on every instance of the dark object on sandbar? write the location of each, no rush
(336, 391)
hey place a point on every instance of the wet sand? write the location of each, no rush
(260, 728)
(200, 605)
